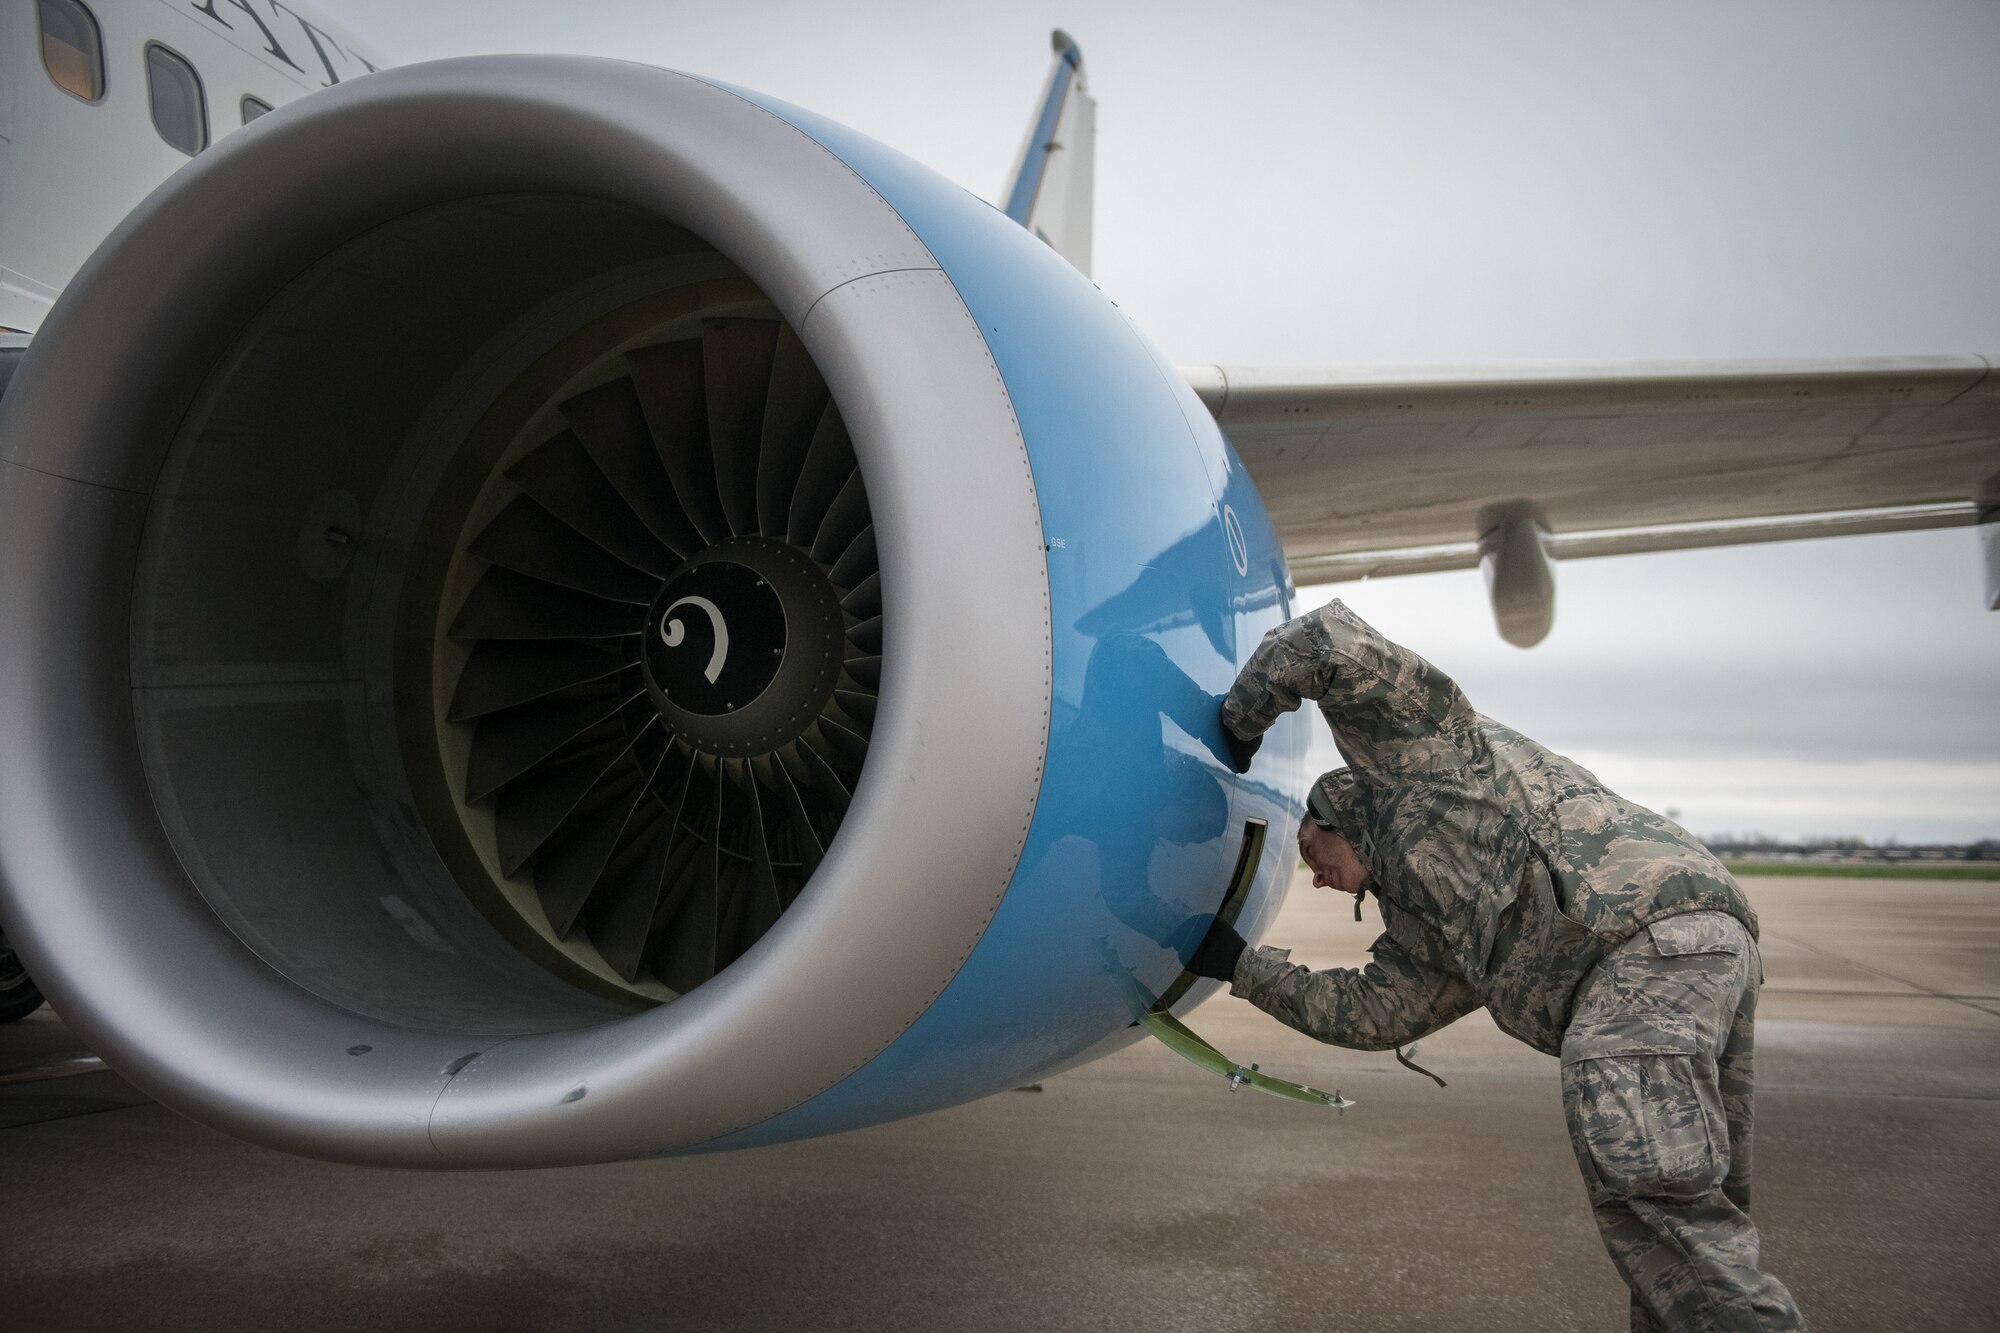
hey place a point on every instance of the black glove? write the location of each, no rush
(1218, 953)
(1240, 750)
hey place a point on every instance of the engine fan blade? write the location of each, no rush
(865, 600)
(846, 745)
(533, 806)
(857, 561)
(821, 777)
(668, 378)
(502, 673)
(614, 431)
(528, 539)
(563, 479)
(797, 400)
(844, 520)
(867, 636)
(690, 943)
(506, 605)
(759, 894)
(829, 461)
(623, 928)
(857, 705)
(736, 372)
(806, 841)
(507, 744)
(569, 869)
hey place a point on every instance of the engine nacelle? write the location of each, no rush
(559, 611)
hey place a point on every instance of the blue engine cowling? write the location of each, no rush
(242, 846)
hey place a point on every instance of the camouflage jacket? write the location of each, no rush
(1503, 871)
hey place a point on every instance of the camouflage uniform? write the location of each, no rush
(1591, 928)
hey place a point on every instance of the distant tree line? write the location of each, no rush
(1759, 846)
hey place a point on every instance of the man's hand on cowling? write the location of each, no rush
(1218, 954)
(1240, 751)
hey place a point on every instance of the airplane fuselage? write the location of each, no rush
(107, 98)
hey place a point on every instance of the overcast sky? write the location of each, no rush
(1423, 183)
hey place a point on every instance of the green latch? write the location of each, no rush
(1178, 1038)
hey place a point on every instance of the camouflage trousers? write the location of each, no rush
(1657, 1080)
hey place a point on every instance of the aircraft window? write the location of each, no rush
(180, 112)
(72, 48)
(254, 107)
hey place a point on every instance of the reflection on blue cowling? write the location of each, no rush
(1164, 572)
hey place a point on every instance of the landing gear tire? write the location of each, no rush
(18, 996)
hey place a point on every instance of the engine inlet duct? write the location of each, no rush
(605, 616)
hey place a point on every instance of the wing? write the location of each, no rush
(1376, 472)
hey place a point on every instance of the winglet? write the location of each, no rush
(1049, 192)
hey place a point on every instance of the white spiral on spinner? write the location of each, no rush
(672, 632)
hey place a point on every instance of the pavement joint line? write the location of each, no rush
(88, 1064)
(1886, 976)
(75, 1115)
(1988, 1098)
(1877, 994)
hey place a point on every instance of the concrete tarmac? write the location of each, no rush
(1135, 1193)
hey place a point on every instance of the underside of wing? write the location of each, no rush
(1371, 472)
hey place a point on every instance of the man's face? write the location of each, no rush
(1332, 859)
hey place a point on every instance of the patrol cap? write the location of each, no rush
(1334, 803)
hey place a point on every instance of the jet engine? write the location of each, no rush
(561, 611)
